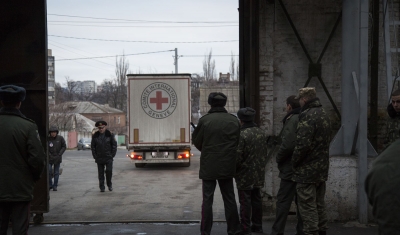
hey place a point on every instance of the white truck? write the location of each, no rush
(159, 118)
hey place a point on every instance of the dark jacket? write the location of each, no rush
(217, 136)
(392, 126)
(103, 148)
(22, 157)
(288, 142)
(382, 186)
(57, 148)
(311, 155)
(251, 158)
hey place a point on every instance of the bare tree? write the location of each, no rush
(209, 67)
(237, 72)
(64, 117)
(59, 93)
(232, 67)
(121, 70)
(87, 94)
(71, 88)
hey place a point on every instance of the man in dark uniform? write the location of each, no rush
(311, 162)
(250, 171)
(104, 148)
(382, 186)
(393, 122)
(287, 188)
(217, 136)
(22, 160)
(56, 147)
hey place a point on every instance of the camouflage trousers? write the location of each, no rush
(311, 205)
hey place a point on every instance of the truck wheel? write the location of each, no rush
(38, 218)
(140, 165)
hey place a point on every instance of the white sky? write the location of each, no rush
(220, 12)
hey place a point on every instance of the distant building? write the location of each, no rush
(50, 78)
(224, 77)
(115, 118)
(83, 87)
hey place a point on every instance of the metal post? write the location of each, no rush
(176, 60)
(350, 63)
(363, 114)
(374, 75)
(388, 55)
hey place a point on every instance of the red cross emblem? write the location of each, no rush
(158, 100)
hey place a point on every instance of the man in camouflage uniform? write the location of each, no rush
(393, 122)
(382, 186)
(22, 161)
(287, 188)
(217, 136)
(311, 162)
(250, 171)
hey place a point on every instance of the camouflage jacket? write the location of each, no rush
(311, 155)
(288, 142)
(393, 126)
(252, 157)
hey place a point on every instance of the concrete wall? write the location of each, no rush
(341, 188)
(231, 91)
(284, 69)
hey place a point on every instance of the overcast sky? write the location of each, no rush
(136, 26)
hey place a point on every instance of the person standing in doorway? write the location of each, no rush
(104, 148)
(217, 136)
(287, 188)
(311, 162)
(393, 122)
(57, 148)
(22, 161)
(250, 171)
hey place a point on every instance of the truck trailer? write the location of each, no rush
(159, 119)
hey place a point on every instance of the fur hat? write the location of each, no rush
(11, 93)
(246, 114)
(101, 123)
(306, 91)
(217, 99)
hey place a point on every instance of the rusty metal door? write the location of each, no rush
(23, 62)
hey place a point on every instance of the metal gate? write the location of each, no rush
(23, 62)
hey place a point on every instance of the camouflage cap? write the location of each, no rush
(11, 93)
(306, 91)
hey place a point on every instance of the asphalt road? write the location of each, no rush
(156, 192)
(157, 200)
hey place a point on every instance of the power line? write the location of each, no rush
(204, 55)
(114, 40)
(79, 54)
(86, 58)
(74, 48)
(153, 26)
(153, 21)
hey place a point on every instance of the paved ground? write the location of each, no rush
(219, 228)
(151, 200)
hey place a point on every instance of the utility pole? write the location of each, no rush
(176, 60)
